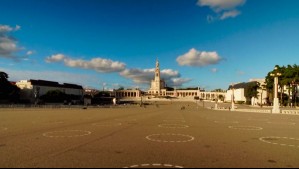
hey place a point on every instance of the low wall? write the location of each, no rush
(291, 112)
(254, 110)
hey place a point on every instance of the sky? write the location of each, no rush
(115, 43)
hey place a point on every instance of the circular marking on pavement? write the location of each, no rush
(173, 126)
(67, 134)
(259, 120)
(107, 124)
(55, 122)
(282, 123)
(154, 166)
(175, 121)
(170, 138)
(274, 140)
(226, 122)
(245, 128)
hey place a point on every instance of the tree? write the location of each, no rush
(8, 92)
(289, 78)
(3, 77)
(251, 90)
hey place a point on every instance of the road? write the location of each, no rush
(158, 136)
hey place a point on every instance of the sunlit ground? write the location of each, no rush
(161, 136)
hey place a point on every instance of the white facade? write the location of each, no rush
(157, 85)
(128, 94)
(262, 93)
(239, 95)
(31, 89)
(158, 89)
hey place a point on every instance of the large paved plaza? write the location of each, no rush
(157, 136)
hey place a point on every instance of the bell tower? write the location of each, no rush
(157, 84)
(157, 72)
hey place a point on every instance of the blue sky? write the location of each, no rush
(206, 43)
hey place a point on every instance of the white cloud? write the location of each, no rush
(8, 44)
(214, 70)
(55, 58)
(223, 8)
(30, 52)
(145, 76)
(97, 64)
(196, 58)
(5, 29)
(61, 77)
(178, 82)
(230, 14)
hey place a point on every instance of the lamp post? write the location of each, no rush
(294, 97)
(276, 108)
(216, 104)
(233, 98)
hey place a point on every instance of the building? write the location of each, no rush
(125, 94)
(158, 84)
(158, 89)
(238, 90)
(33, 89)
(262, 98)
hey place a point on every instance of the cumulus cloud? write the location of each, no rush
(8, 44)
(214, 70)
(196, 58)
(230, 14)
(97, 64)
(145, 76)
(223, 8)
(61, 77)
(178, 82)
(55, 58)
(30, 52)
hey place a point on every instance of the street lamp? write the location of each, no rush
(233, 98)
(276, 108)
(294, 97)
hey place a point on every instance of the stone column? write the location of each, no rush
(276, 108)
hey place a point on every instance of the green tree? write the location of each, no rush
(289, 78)
(251, 90)
(8, 92)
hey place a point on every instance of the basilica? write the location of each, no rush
(158, 90)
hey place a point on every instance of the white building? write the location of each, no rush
(263, 94)
(238, 90)
(158, 89)
(120, 94)
(32, 89)
(157, 85)
(238, 94)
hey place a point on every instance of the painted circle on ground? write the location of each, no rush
(67, 134)
(175, 121)
(286, 141)
(107, 124)
(55, 122)
(170, 138)
(245, 128)
(157, 165)
(282, 123)
(226, 122)
(173, 126)
(259, 120)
